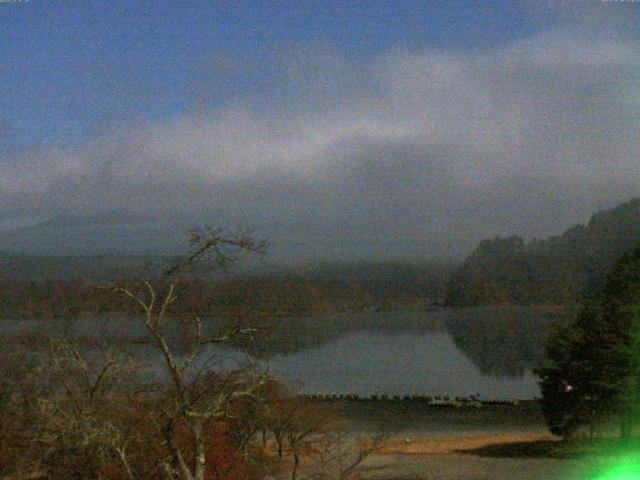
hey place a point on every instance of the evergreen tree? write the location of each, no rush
(595, 362)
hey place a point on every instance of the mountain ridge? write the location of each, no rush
(557, 270)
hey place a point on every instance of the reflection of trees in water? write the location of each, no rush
(271, 335)
(504, 341)
(291, 335)
(500, 341)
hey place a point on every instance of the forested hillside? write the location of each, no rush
(57, 285)
(554, 271)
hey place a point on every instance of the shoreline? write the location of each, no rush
(476, 444)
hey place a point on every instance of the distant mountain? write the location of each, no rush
(103, 234)
(553, 271)
(30, 268)
(102, 219)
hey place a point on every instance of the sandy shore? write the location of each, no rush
(446, 444)
(459, 457)
(501, 442)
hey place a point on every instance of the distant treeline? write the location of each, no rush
(558, 270)
(89, 268)
(321, 288)
(387, 283)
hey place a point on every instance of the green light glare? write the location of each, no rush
(627, 470)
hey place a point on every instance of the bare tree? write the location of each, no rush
(91, 408)
(62, 407)
(315, 439)
(17, 372)
(80, 413)
(340, 455)
(195, 397)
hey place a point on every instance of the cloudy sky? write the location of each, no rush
(337, 129)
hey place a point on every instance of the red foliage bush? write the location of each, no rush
(223, 460)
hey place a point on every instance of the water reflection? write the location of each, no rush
(490, 351)
(371, 362)
(506, 341)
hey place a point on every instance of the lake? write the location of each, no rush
(486, 351)
(367, 362)
(490, 351)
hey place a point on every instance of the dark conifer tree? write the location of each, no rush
(595, 362)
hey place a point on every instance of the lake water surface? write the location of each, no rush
(370, 362)
(487, 351)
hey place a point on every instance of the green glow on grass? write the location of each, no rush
(627, 470)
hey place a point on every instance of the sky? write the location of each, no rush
(336, 129)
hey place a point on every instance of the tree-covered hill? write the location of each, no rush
(62, 284)
(555, 271)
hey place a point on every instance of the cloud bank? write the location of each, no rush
(411, 154)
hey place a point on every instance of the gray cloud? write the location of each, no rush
(407, 155)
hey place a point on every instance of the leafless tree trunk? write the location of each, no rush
(194, 403)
